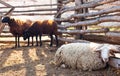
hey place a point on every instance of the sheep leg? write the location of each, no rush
(56, 38)
(32, 40)
(40, 40)
(15, 41)
(36, 40)
(18, 41)
(28, 41)
(51, 36)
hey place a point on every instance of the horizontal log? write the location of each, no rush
(113, 34)
(91, 4)
(84, 31)
(104, 11)
(67, 1)
(92, 22)
(32, 14)
(72, 40)
(30, 6)
(35, 10)
(22, 41)
(109, 24)
(6, 36)
(102, 39)
(5, 31)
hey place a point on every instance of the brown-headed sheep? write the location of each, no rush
(17, 27)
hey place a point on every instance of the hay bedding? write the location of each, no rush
(37, 61)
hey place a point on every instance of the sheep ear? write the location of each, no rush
(97, 50)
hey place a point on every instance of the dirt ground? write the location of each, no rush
(37, 61)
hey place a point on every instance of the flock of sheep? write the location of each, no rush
(28, 29)
(84, 56)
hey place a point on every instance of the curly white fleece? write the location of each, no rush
(80, 55)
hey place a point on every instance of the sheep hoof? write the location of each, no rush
(50, 45)
(40, 45)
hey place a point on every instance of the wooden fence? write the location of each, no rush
(78, 24)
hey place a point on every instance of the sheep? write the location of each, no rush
(84, 56)
(42, 27)
(17, 28)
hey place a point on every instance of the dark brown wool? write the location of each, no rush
(17, 27)
(43, 27)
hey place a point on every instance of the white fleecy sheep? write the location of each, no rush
(84, 56)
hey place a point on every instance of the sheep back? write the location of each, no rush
(80, 56)
(48, 27)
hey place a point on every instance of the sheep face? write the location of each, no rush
(106, 50)
(6, 20)
(26, 35)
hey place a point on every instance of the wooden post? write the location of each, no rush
(59, 6)
(77, 3)
(1, 25)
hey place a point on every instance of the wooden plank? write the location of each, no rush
(25, 6)
(35, 10)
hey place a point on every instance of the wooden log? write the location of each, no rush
(6, 36)
(72, 40)
(91, 4)
(109, 24)
(1, 27)
(10, 11)
(36, 10)
(113, 34)
(30, 6)
(32, 14)
(6, 4)
(104, 11)
(84, 31)
(92, 22)
(102, 39)
(67, 1)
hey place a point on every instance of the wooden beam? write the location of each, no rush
(84, 31)
(72, 40)
(113, 34)
(102, 39)
(92, 22)
(32, 14)
(91, 4)
(10, 11)
(103, 11)
(30, 6)
(6, 4)
(35, 10)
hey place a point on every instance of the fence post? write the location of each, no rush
(77, 3)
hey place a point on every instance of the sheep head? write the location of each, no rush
(6, 19)
(26, 34)
(106, 50)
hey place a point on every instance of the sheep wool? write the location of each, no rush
(79, 56)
